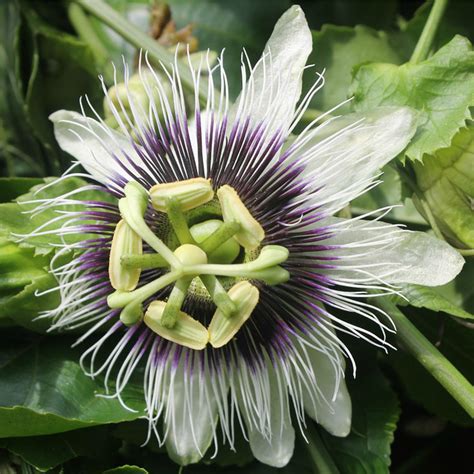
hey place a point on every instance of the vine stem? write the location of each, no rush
(430, 357)
(110, 17)
(425, 41)
(322, 461)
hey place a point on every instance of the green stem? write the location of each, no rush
(178, 222)
(218, 294)
(174, 303)
(425, 41)
(81, 23)
(466, 252)
(430, 357)
(144, 261)
(322, 461)
(120, 299)
(141, 40)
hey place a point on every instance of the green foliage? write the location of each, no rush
(440, 88)
(376, 412)
(43, 390)
(446, 179)
(337, 50)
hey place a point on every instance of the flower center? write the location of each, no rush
(205, 252)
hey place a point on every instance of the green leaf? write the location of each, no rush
(376, 412)
(50, 451)
(17, 218)
(231, 25)
(11, 188)
(441, 89)
(21, 275)
(374, 13)
(338, 49)
(126, 470)
(58, 59)
(431, 298)
(456, 342)
(447, 182)
(43, 390)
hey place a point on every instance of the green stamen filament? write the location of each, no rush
(144, 261)
(174, 303)
(218, 294)
(178, 222)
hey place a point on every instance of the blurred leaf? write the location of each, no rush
(441, 89)
(19, 151)
(447, 182)
(58, 59)
(10, 188)
(231, 25)
(126, 470)
(338, 49)
(456, 342)
(375, 415)
(47, 452)
(373, 13)
(43, 390)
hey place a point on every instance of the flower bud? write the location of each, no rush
(125, 242)
(187, 331)
(251, 233)
(223, 328)
(190, 193)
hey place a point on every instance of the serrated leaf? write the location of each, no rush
(43, 390)
(337, 49)
(440, 88)
(447, 182)
(376, 412)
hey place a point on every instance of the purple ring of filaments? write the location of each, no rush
(270, 186)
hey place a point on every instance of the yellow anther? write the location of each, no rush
(124, 242)
(186, 332)
(223, 328)
(190, 193)
(251, 233)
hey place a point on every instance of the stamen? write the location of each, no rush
(251, 233)
(187, 331)
(144, 261)
(178, 221)
(223, 233)
(190, 193)
(125, 240)
(174, 303)
(222, 328)
(218, 294)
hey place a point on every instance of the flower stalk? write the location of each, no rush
(427, 36)
(430, 357)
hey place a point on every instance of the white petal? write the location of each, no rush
(191, 416)
(331, 406)
(344, 154)
(275, 449)
(373, 251)
(94, 145)
(274, 85)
